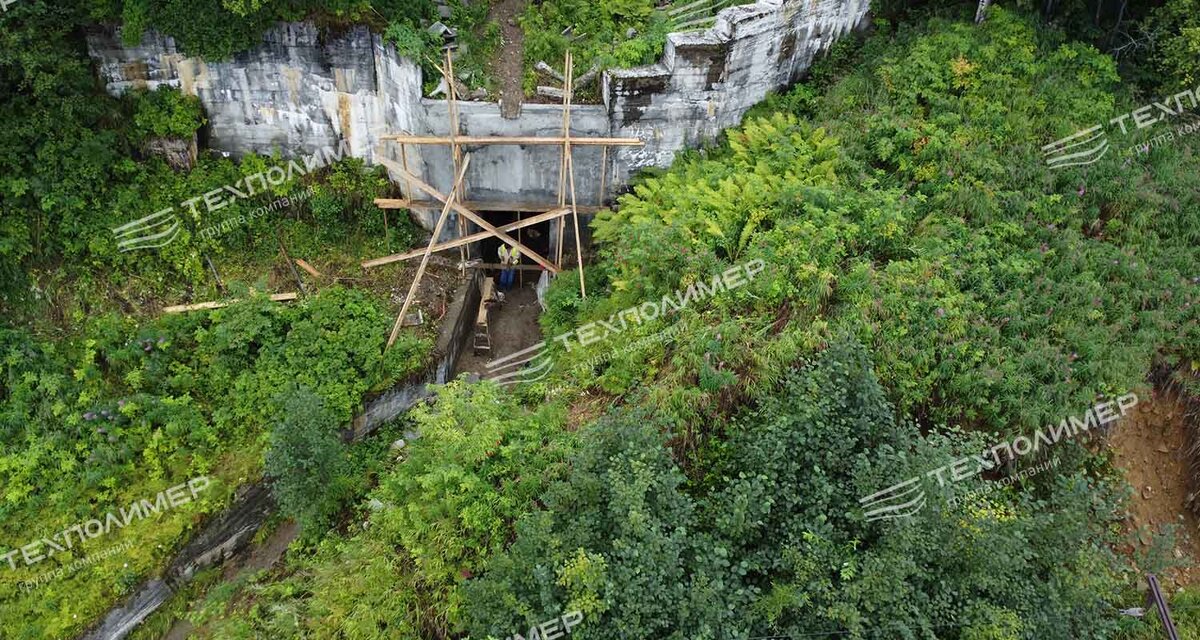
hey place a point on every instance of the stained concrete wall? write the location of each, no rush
(296, 93)
(707, 80)
(302, 90)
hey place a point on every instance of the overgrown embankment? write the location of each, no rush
(922, 261)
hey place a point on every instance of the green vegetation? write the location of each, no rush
(91, 425)
(931, 288)
(596, 33)
(305, 458)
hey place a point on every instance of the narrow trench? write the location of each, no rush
(509, 65)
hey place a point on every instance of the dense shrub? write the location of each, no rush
(165, 113)
(776, 544)
(89, 425)
(305, 458)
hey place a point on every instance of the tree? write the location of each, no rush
(305, 458)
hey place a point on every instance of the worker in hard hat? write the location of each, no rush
(508, 258)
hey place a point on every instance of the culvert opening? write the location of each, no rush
(507, 322)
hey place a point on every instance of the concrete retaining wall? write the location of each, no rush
(302, 90)
(707, 80)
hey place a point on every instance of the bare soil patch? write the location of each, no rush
(1151, 447)
(513, 324)
(509, 66)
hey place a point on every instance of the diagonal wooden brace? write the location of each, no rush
(470, 215)
(474, 237)
(437, 231)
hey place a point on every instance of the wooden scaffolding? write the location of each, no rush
(466, 209)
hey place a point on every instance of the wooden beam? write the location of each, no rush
(309, 268)
(455, 151)
(578, 242)
(288, 259)
(516, 140)
(496, 265)
(420, 184)
(200, 306)
(568, 72)
(603, 171)
(475, 237)
(478, 205)
(437, 231)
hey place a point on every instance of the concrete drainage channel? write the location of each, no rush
(227, 534)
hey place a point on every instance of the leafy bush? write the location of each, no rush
(1176, 25)
(412, 40)
(480, 462)
(166, 112)
(89, 425)
(305, 459)
(774, 543)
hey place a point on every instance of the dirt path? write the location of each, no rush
(1151, 447)
(513, 325)
(509, 65)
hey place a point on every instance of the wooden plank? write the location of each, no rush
(603, 170)
(455, 151)
(200, 306)
(437, 231)
(497, 265)
(520, 140)
(288, 259)
(475, 237)
(568, 74)
(478, 205)
(309, 268)
(575, 216)
(216, 276)
(420, 184)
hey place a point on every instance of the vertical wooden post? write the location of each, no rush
(562, 169)
(1155, 596)
(408, 192)
(575, 217)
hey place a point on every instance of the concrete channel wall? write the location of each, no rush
(226, 534)
(302, 90)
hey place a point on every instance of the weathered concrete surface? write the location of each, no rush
(295, 93)
(299, 92)
(707, 80)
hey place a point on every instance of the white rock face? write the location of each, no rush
(298, 93)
